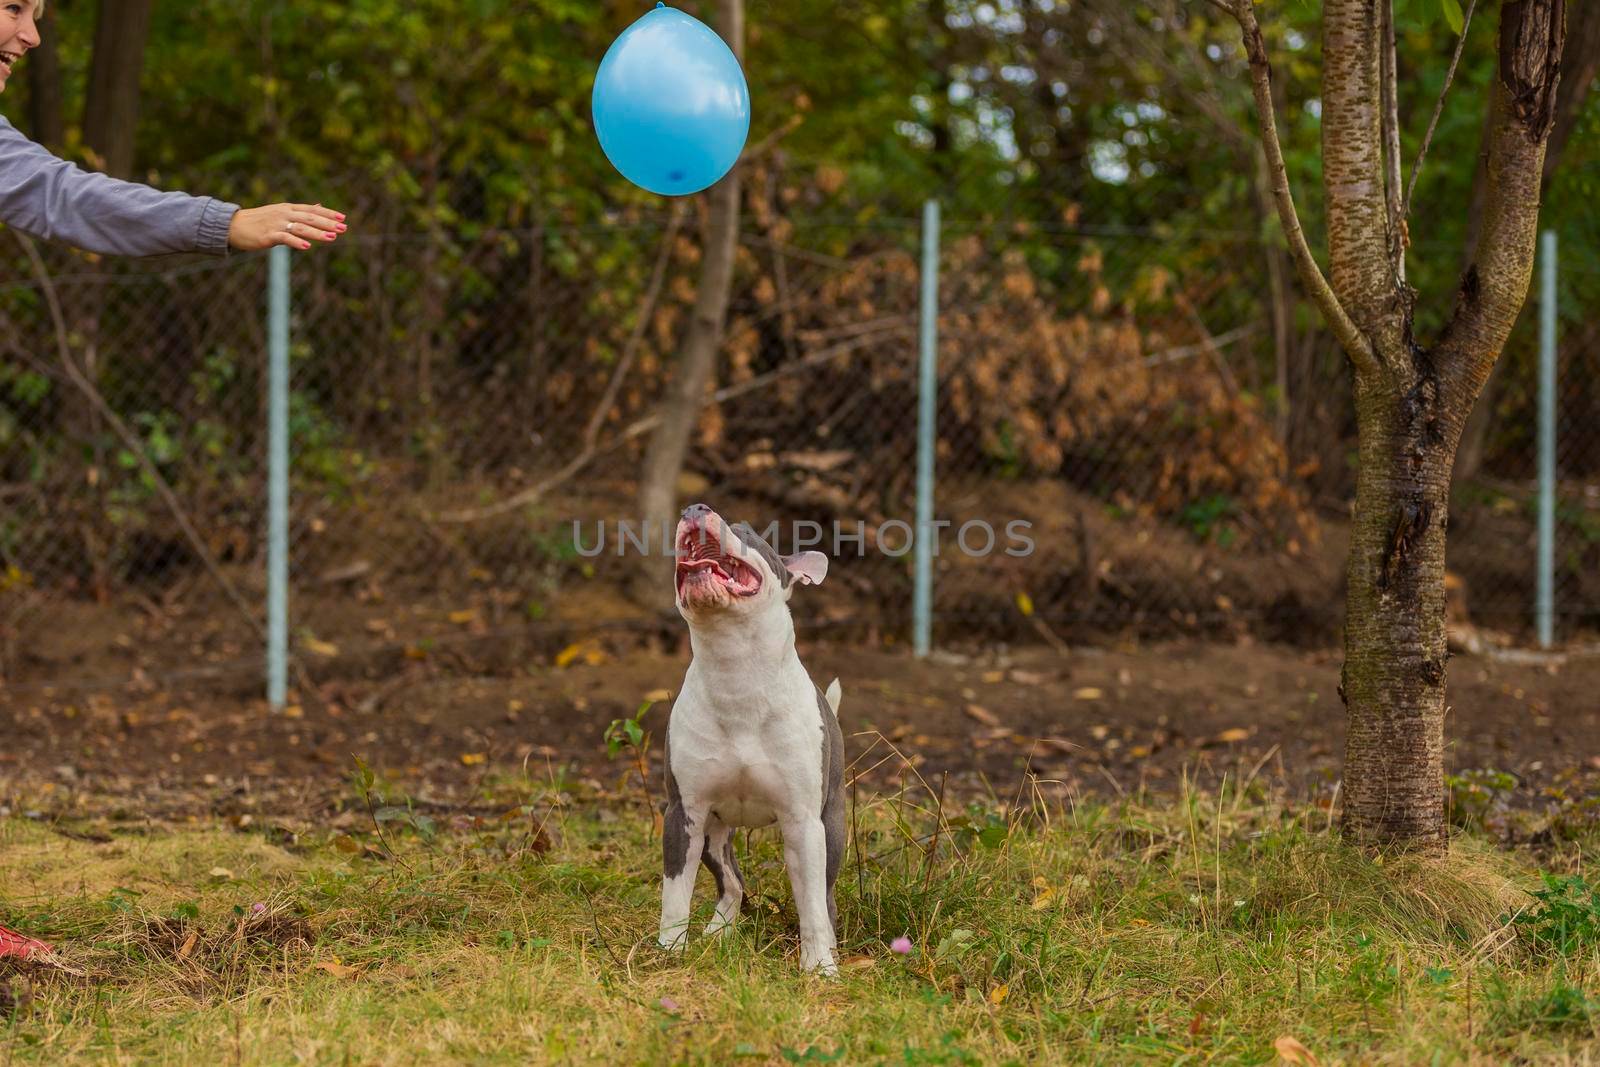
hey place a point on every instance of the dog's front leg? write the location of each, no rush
(805, 852)
(682, 838)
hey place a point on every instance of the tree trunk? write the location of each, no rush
(111, 109)
(1394, 670)
(669, 445)
(1411, 407)
(46, 117)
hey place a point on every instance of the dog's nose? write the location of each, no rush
(696, 513)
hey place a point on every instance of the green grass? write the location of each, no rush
(1194, 929)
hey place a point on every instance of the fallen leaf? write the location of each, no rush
(294, 711)
(991, 677)
(568, 654)
(1294, 1052)
(997, 995)
(1237, 733)
(188, 944)
(979, 713)
(337, 969)
(1025, 603)
(859, 963)
(1088, 692)
(466, 616)
(415, 653)
(321, 648)
(1043, 900)
(472, 759)
(346, 843)
(655, 696)
(1029, 677)
(222, 874)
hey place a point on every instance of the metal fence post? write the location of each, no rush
(277, 476)
(1547, 439)
(927, 408)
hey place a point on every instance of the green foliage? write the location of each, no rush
(1452, 14)
(1561, 1006)
(1207, 517)
(628, 733)
(463, 126)
(1566, 918)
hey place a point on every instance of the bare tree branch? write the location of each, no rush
(770, 141)
(136, 447)
(533, 493)
(1355, 343)
(647, 310)
(1394, 219)
(1359, 266)
(1495, 284)
(1438, 108)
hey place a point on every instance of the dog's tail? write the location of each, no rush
(833, 694)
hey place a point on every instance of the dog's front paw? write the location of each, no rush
(821, 964)
(673, 941)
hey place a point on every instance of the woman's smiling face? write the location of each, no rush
(18, 33)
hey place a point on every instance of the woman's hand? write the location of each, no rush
(296, 225)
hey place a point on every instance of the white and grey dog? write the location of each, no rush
(751, 740)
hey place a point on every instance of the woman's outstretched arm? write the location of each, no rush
(48, 197)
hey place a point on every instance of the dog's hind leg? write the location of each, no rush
(718, 857)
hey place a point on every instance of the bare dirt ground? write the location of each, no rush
(1097, 720)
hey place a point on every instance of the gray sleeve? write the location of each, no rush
(49, 197)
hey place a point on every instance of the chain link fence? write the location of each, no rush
(469, 407)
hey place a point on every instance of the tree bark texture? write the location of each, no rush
(111, 108)
(1352, 168)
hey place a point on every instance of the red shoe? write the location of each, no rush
(19, 946)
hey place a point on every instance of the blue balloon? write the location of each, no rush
(670, 104)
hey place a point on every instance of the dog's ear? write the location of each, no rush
(809, 568)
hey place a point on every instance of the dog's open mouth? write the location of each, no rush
(705, 570)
